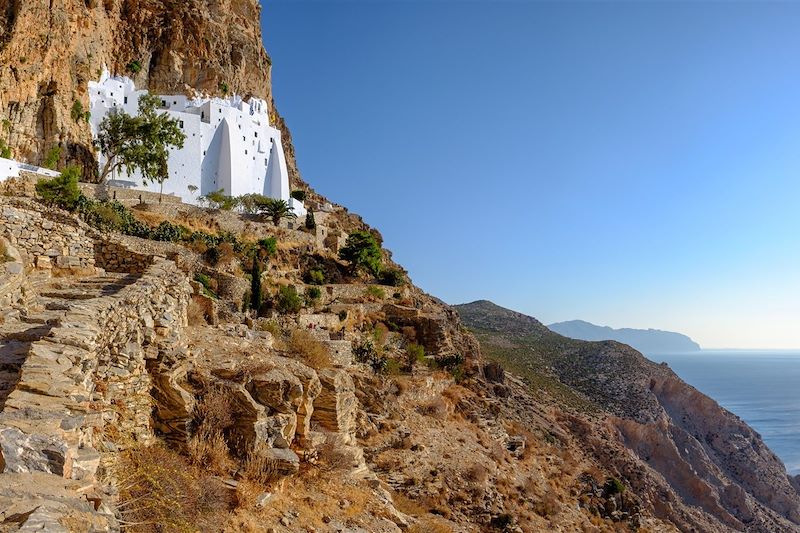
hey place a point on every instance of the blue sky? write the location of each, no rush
(634, 164)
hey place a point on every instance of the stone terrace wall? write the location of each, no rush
(46, 237)
(89, 377)
(13, 281)
(115, 256)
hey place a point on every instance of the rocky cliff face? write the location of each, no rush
(50, 50)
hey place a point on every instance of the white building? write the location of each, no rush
(229, 145)
(10, 168)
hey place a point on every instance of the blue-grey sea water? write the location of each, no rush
(762, 387)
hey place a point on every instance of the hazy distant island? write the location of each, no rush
(647, 341)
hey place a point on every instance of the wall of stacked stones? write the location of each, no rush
(46, 238)
(91, 374)
(114, 256)
(13, 281)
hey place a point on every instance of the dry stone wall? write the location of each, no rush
(53, 420)
(46, 238)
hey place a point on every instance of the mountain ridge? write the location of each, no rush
(651, 341)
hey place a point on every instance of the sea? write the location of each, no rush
(761, 387)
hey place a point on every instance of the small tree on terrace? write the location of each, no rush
(141, 142)
(275, 209)
(362, 251)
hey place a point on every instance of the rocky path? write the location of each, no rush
(48, 305)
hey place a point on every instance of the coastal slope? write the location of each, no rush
(694, 463)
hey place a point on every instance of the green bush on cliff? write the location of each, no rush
(363, 253)
(288, 301)
(61, 191)
(5, 150)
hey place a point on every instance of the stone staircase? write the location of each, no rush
(64, 335)
(46, 306)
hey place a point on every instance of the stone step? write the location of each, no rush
(44, 318)
(22, 332)
(71, 295)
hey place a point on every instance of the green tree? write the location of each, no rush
(61, 190)
(141, 142)
(310, 222)
(362, 251)
(5, 150)
(299, 195)
(52, 158)
(220, 200)
(275, 210)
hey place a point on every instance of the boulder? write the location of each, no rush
(335, 408)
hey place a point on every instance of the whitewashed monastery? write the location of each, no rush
(229, 146)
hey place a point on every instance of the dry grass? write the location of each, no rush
(332, 459)
(259, 467)
(436, 408)
(477, 473)
(263, 324)
(213, 413)
(207, 448)
(430, 525)
(309, 350)
(209, 451)
(160, 491)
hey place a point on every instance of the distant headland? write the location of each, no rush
(647, 341)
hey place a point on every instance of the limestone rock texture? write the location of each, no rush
(50, 50)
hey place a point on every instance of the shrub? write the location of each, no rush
(313, 294)
(224, 88)
(299, 195)
(160, 491)
(288, 300)
(415, 354)
(259, 466)
(362, 251)
(52, 158)
(393, 277)
(374, 292)
(5, 150)
(309, 350)
(207, 283)
(269, 246)
(315, 276)
(168, 232)
(134, 66)
(77, 113)
(270, 326)
(310, 222)
(220, 200)
(61, 190)
(613, 486)
(365, 353)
